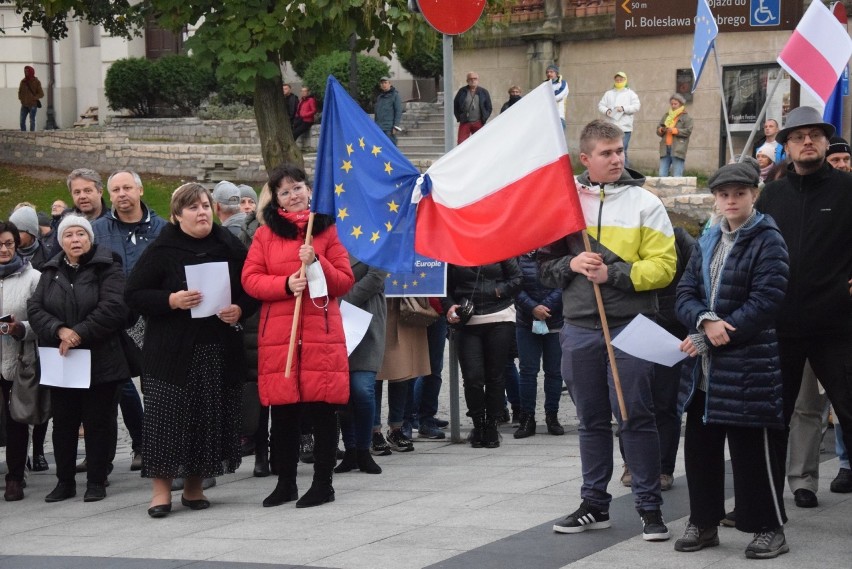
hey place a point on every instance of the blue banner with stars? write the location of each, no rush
(428, 279)
(365, 183)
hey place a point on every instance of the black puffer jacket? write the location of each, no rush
(532, 293)
(90, 301)
(491, 288)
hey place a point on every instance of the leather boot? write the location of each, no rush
(366, 463)
(14, 491)
(478, 430)
(527, 426)
(553, 426)
(261, 462)
(490, 436)
(285, 491)
(320, 492)
(349, 462)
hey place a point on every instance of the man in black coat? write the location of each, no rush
(472, 107)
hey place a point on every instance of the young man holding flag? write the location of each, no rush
(632, 254)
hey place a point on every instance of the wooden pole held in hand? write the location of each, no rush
(298, 310)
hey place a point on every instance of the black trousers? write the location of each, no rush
(94, 408)
(17, 439)
(758, 498)
(831, 360)
(285, 435)
(483, 352)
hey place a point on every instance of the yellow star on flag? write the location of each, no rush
(356, 232)
(361, 143)
(388, 225)
(393, 206)
(394, 282)
(349, 150)
(413, 283)
(375, 237)
(422, 275)
(376, 150)
(338, 189)
(342, 213)
(388, 168)
(405, 285)
(347, 165)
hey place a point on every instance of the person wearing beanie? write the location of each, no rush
(766, 160)
(560, 90)
(619, 104)
(839, 154)
(812, 206)
(31, 249)
(79, 305)
(248, 199)
(674, 130)
(30, 94)
(729, 298)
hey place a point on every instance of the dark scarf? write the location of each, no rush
(12, 266)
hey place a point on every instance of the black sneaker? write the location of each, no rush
(655, 528)
(586, 517)
(767, 544)
(399, 442)
(842, 483)
(380, 446)
(527, 426)
(695, 538)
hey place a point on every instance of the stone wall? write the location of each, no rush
(189, 130)
(681, 195)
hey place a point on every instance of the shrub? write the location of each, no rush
(128, 85)
(182, 82)
(370, 70)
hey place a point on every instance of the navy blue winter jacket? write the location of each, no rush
(129, 240)
(744, 383)
(533, 293)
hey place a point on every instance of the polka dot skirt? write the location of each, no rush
(194, 429)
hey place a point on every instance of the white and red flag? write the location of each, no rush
(505, 191)
(817, 52)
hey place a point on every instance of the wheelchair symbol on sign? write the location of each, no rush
(763, 15)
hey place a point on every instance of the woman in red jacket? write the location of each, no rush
(305, 113)
(319, 376)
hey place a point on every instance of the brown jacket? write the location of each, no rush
(406, 348)
(29, 92)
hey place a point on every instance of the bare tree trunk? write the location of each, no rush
(273, 124)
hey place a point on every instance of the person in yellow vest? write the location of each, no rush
(674, 130)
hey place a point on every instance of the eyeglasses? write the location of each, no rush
(799, 137)
(295, 190)
(7, 245)
(472, 79)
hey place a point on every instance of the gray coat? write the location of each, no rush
(368, 293)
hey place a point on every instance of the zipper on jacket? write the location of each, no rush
(265, 320)
(325, 310)
(600, 214)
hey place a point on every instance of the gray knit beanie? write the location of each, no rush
(26, 219)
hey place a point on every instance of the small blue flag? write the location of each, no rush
(365, 183)
(428, 279)
(833, 113)
(706, 31)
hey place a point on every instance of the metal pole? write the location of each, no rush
(449, 143)
(724, 102)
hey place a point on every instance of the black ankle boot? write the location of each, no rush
(366, 463)
(285, 491)
(527, 426)
(261, 462)
(318, 494)
(553, 426)
(478, 431)
(63, 491)
(349, 462)
(490, 435)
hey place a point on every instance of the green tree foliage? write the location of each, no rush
(120, 18)
(128, 86)
(182, 83)
(423, 57)
(370, 71)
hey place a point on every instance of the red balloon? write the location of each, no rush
(452, 17)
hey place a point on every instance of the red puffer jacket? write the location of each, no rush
(320, 370)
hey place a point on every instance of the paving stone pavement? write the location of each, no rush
(444, 505)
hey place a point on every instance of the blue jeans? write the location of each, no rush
(397, 394)
(531, 349)
(626, 141)
(357, 426)
(31, 112)
(428, 387)
(132, 412)
(840, 445)
(513, 381)
(671, 162)
(588, 375)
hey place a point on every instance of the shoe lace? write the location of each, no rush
(692, 532)
(763, 538)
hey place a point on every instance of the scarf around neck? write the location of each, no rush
(672, 116)
(12, 266)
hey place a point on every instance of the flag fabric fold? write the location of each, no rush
(365, 182)
(505, 191)
(706, 30)
(817, 52)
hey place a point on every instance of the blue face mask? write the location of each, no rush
(539, 327)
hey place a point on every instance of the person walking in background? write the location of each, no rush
(674, 130)
(514, 97)
(539, 319)
(560, 90)
(729, 298)
(619, 104)
(30, 95)
(471, 107)
(388, 109)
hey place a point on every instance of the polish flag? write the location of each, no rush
(505, 191)
(817, 52)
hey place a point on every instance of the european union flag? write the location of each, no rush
(428, 279)
(366, 183)
(706, 31)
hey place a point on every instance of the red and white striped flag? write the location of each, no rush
(817, 52)
(505, 191)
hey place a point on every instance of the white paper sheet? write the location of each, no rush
(74, 369)
(214, 282)
(355, 324)
(645, 339)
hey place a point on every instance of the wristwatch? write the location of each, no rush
(4, 327)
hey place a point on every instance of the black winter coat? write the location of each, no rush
(90, 301)
(744, 384)
(171, 335)
(491, 288)
(532, 293)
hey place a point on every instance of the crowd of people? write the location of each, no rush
(762, 294)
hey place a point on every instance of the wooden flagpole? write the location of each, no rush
(615, 379)
(298, 310)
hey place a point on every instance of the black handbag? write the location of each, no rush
(29, 402)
